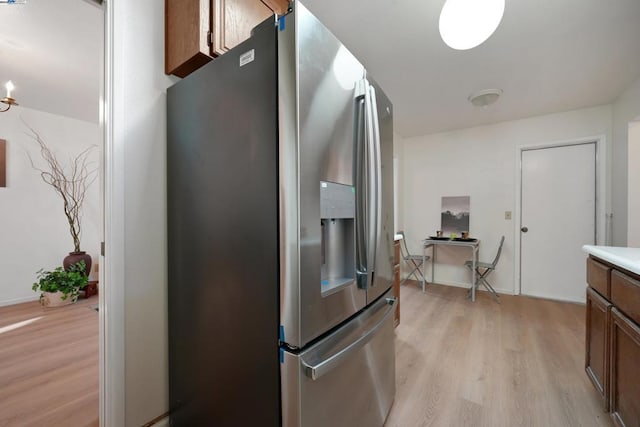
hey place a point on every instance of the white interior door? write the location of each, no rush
(558, 216)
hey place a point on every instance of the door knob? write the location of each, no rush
(524, 229)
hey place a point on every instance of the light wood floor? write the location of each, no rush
(519, 363)
(458, 363)
(49, 367)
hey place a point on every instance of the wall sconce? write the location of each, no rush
(8, 99)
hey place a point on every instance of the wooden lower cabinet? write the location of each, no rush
(396, 280)
(598, 322)
(625, 370)
(612, 351)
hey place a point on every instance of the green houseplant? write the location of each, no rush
(60, 287)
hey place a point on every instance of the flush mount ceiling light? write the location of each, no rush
(485, 97)
(464, 24)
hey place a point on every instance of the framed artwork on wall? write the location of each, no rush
(454, 216)
(3, 163)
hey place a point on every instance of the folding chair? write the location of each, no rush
(413, 261)
(483, 269)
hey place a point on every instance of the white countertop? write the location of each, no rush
(627, 258)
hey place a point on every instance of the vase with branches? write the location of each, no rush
(71, 182)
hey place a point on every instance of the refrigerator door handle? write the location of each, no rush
(316, 371)
(371, 182)
(377, 173)
(362, 224)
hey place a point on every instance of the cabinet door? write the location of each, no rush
(186, 36)
(233, 21)
(279, 7)
(625, 375)
(597, 344)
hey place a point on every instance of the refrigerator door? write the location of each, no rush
(320, 124)
(382, 123)
(346, 379)
(222, 222)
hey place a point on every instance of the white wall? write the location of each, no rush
(138, 196)
(480, 162)
(626, 108)
(35, 232)
(633, 234)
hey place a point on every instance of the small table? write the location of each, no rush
(433, 244)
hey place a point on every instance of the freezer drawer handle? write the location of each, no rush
(322, 368)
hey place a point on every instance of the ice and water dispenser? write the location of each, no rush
(337, 219)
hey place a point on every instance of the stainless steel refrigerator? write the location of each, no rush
(280, 227)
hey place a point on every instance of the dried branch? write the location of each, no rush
(70, 182)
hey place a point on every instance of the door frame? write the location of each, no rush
(111, 312)
(601, 194)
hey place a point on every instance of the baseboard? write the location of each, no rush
(19, 300)
(555, 299)
(467, 285)
(160, 421)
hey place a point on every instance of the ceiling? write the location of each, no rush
(53, 53)
(546, 55)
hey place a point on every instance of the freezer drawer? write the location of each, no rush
(346, 379)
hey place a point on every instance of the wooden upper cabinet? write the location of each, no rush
(233, 21)
(186, 29)
(198, 30)
(279, 7)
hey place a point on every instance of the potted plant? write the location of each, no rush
(71, 183)
(60, 287)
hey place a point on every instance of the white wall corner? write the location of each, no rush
(633, 201)
(626, 108)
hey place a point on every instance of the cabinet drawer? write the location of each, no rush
(599, 277)
(625, 294)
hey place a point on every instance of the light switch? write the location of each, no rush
(507, 214)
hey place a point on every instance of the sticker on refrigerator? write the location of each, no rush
(247, 57)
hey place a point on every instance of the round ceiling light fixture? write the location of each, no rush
(485, 97)
(465, 24)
